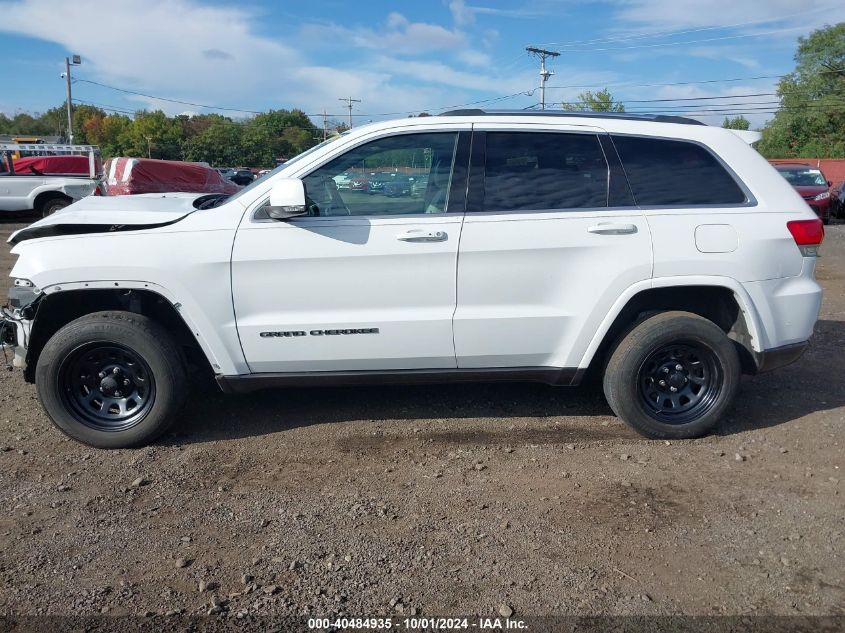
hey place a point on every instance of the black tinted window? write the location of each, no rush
(405, 174)
(536, 171)
(664, 172)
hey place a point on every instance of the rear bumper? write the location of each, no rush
(770, 359)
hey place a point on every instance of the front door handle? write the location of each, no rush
(418, 235)
(612, 228)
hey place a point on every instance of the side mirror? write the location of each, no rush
(287, 199)
(829, 183)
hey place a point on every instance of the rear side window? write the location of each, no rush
(664, 172)
(540, 171)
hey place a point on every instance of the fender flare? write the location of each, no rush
(743, 299)
(212, 345)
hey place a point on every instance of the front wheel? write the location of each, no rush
(111, 379)
(673, 376)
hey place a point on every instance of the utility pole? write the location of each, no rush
(325, 125)
(75, 60)
(349, 102)
(542, 53)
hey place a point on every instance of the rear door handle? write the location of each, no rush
(418, 235)
(612, 228)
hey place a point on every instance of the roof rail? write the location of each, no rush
(654, 118)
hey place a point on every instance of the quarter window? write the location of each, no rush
(541, 171)
(665, 172)
(396, 175)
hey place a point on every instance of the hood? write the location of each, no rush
(810, 190)
(96, 214)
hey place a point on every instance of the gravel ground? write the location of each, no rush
(437, 500)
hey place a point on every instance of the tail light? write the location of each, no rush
(808, 235)
(98, 190)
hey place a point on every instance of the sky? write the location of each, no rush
(400, 57)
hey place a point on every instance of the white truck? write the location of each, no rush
(46, 193)
(665, 256)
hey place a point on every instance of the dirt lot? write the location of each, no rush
(437, 500)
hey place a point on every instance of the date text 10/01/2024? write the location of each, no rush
(416, 623)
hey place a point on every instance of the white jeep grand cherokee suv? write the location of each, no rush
(665, 255)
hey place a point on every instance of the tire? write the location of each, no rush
(706, 384)
(50, 206)
(83, 371)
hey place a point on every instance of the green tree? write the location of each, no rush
(601, 101)
(153, 134)
(113, 130)
(736, 123)
(811, 119)
(289, 131)
(218, 145)
(86, 122)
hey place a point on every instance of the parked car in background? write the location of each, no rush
(128, 176)
(398, 187)
(359, 183)
(375, 183)
(226, 172)
(811, 184)
(837, 200)
(50, 180)
(242, 176)
(342, 180)
(419, 186)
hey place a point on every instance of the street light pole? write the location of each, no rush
(75, 60)
(69, 106)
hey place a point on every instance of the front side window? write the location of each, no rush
(396, 175)
(665, 172)
(541, 171)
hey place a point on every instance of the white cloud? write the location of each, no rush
(726, 53)
(464, 14)
(190, 51)
(399, 37)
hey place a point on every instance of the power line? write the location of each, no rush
(672, 33)
(680, 83)
(148, 96)
(685, 42)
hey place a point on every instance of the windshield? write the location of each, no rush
(287, 163)
(806, 177)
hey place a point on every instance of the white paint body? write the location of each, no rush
(504, 289)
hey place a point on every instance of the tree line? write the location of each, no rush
(218, 140)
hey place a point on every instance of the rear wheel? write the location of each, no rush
(51, 205)
(672, 376)
(111, 379)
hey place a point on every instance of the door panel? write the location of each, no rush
(309, 275)
(360, 288)
(14, 190)
(533, 285)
